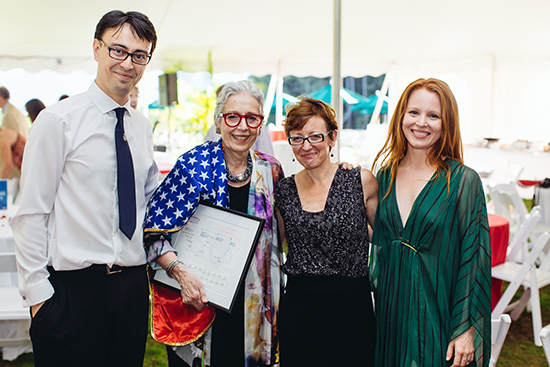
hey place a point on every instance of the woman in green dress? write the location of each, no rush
(431, 252)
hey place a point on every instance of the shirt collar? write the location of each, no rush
(103, 101)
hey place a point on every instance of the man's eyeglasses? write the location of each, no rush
(117, 53)
(313, 139)
(232, 119)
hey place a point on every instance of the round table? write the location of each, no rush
(499, 228)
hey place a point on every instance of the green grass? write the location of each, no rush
(155, 356)
(518, 349)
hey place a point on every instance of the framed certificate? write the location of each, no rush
(217, 245)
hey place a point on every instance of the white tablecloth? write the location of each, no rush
(10, 329)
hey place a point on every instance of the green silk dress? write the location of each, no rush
(432, 277)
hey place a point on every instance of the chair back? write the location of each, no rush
(518, 247)
(519, 274)
(508, 203)
(499, 330)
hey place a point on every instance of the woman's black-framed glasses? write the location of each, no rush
(117, 53)
(313, 139)
(232, 119)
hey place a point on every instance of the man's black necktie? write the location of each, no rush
(125, 178)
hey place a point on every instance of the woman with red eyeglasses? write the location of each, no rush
(229, 173)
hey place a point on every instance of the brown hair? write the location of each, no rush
(140, 24)
(449, 144)
(33, 107)
(299, 114)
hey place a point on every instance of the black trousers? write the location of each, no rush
(93, 319)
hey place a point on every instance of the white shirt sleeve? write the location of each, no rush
(43, 162)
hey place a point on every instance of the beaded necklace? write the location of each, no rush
(242, 176)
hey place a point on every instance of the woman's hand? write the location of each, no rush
(463, 349)
(347, 166)
(192, 289)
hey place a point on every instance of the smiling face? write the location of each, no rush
(240, 138)
(313, 155)
(422, 120)
(117, 78)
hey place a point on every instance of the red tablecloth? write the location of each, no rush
(164, 168)
(277, 135)
(500, 234)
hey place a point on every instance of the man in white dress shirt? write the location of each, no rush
(82, 276)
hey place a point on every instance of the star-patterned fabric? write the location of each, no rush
(199, 174)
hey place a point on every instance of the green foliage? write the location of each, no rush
(202, 104)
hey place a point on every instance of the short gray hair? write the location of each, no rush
(4, 93)
(242, 86)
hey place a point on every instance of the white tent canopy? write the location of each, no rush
(494, 54)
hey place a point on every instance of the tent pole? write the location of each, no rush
(269, 98)
(375, 118)
(336, 77)
(279, 100)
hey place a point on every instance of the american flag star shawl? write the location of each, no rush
(200, 174)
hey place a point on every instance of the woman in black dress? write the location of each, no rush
(326, 316)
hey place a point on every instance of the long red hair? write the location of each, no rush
(448, 146)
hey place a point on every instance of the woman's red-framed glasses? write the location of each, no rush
(232, 119)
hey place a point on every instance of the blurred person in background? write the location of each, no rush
(134, 94)
(13, 118)
(12, 145)
(33, 107)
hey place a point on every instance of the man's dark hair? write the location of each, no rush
(141, 25)
(4, 93)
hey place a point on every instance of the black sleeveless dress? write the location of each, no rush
(326, 315)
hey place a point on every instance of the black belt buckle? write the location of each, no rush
(113, 270)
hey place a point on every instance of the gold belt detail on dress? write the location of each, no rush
(409, 246)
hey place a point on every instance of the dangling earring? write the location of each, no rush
(331, 155)
(217, 130)
(293, 158)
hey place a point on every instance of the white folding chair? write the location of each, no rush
(508, 173)
(499, 329)
(11, 305)
(510, 205)
(526, 274)
(545, 339)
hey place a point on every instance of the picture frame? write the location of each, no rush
(217, 245)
